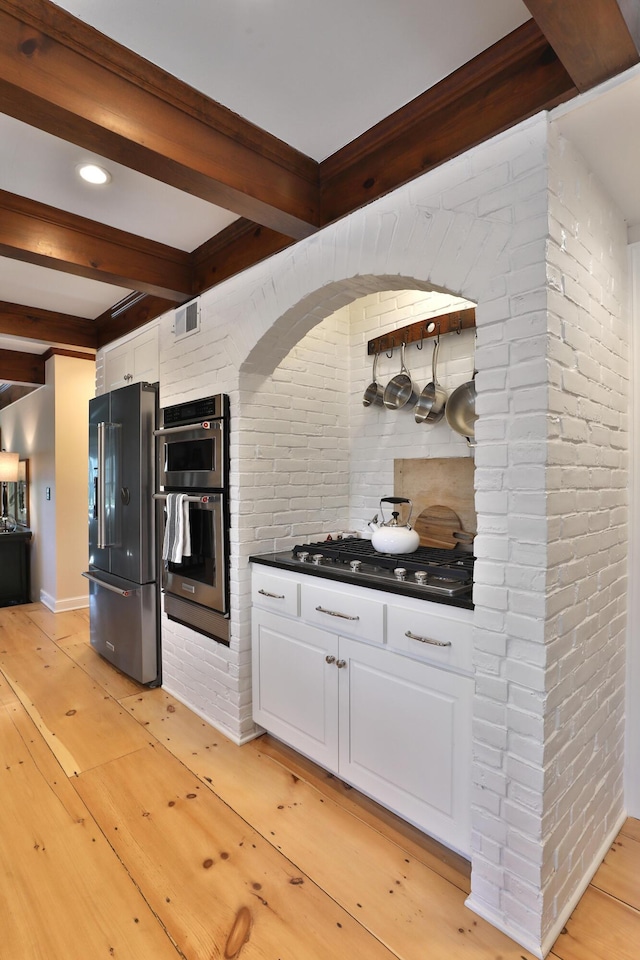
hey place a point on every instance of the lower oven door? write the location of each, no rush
(202, 577)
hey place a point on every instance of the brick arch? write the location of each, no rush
(410, 245)
(299, 319)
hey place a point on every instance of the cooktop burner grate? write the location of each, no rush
(446, 564)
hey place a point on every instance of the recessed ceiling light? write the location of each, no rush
(92, 173)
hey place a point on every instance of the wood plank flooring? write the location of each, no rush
(133, 830)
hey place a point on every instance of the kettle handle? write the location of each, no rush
(398, 500)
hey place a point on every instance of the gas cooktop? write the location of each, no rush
(445, 576)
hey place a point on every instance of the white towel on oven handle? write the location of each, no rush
(177, 530)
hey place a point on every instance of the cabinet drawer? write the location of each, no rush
(343, 612)
(419, 633)
(272, 592)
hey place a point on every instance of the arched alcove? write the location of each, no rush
(318, 461)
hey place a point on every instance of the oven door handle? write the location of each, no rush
(189, 499)
(186, 428)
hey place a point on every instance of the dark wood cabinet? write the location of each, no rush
(14, 567)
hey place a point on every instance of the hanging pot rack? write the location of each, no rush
(419, 330)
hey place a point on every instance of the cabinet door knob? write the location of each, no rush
(340, 664)
(330, 659)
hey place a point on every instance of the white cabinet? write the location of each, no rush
(295, 685)
(391, 716)
(405, 738)
(135, 360)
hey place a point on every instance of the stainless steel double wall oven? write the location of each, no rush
(193, 458)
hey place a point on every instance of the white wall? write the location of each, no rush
(28, 428)
(632, 732)
(50, 428)
(73, 382)
(380, 436)
(587, 508)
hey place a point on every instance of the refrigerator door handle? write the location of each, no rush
(108, 485)
(101, 489)
(107, 586)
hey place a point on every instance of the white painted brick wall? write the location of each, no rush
(586, 489)
(378, 435)
(519, 227)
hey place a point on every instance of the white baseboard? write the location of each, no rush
(61, 606)
(561, 922)
(229, 734)
(523, 937)
(498, 920)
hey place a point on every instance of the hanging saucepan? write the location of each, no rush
(461, 409)
(401, 390)
(432, 400)
(375, 390)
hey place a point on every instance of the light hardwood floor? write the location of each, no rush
(130, 829)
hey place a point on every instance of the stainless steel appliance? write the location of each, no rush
(444, 576)
(123, 593)
(192, 445)
(193, 459)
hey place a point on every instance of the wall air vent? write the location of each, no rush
(187, 320)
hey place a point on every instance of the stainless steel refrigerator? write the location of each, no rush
(123, 592)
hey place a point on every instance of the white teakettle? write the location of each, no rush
(389, 536)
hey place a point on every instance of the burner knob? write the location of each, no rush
(317, 557)
(302, 556)
(400, 573)
(421, 576)
(355, 565)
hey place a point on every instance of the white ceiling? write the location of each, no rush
(315, 74)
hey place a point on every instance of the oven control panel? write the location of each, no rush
(195, 411)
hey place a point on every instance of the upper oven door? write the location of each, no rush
(192, 457)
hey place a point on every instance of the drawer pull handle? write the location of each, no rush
(434, 643)
(333, 613)
(330, 659)
(274, 596)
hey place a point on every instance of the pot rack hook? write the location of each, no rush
(393, 343)
(419, 345)
(459, 328)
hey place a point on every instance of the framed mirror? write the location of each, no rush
(18, 496)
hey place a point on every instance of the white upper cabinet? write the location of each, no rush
(136, 360)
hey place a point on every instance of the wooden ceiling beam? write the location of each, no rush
(37, 233)
(594, 39)
(41, 81)
(17, 367)
(241, 245)
(33, 323)
(66, 78)
(512, 80)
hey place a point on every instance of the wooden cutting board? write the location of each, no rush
(436, 527)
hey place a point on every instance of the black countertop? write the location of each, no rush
(285, 561)
(20, 533)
